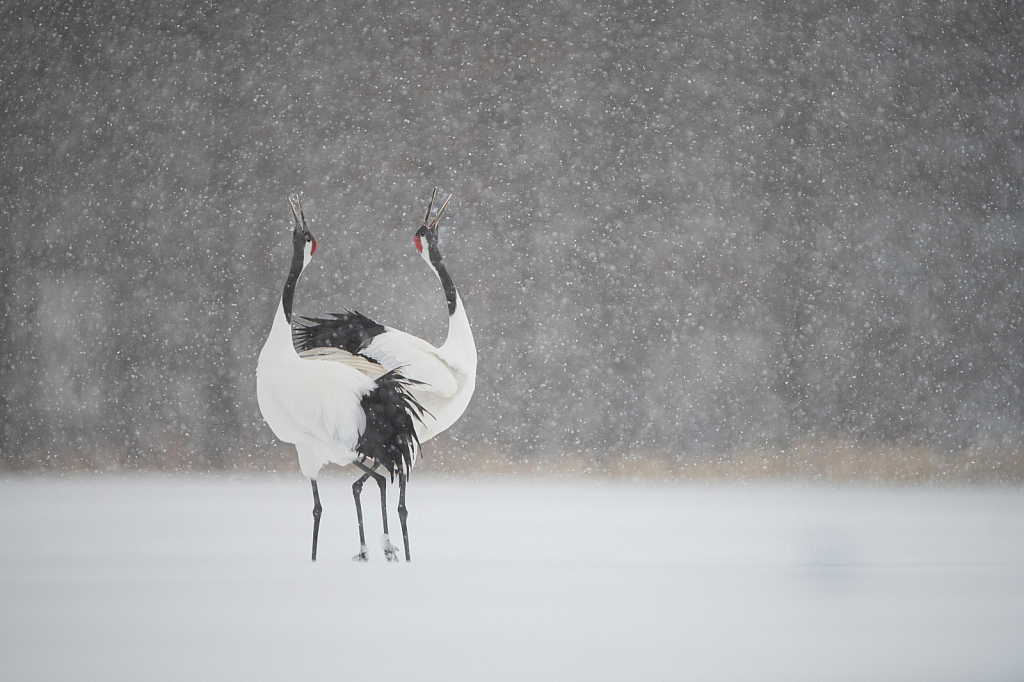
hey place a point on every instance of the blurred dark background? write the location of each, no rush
(680, 228)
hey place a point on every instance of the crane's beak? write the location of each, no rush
(299, 227)
(433, 225)
(426, 218)
(427, 223)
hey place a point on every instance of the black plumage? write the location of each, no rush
(351, 331)
(390, 435)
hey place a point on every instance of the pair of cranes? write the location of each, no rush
(348, 390)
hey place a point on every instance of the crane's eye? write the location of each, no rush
(309, 238)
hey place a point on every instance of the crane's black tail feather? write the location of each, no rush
(390, 434)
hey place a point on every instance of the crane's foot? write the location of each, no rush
(362, 556)
(390, 551)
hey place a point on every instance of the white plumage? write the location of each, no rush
(314, 405)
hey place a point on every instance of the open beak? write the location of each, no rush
(426, 218)
(299, 227)
(427, 223)
(433, 225)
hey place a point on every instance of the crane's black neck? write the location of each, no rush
(442, 272)
(298, 262)
(448, 285)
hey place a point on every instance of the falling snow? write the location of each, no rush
(693, 229)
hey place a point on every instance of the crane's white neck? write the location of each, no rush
(279, 342)
(459, 342)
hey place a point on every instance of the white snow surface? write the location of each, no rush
(209, 579)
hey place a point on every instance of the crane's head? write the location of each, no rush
(302, 241)
(426, 237)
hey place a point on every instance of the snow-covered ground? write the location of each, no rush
(188, 578)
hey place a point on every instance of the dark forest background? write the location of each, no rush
(680, 228)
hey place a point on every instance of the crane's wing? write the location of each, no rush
(343, 357)
(350, 331)
(415, 358)
(359, 336)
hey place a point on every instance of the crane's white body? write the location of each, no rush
(314, 405)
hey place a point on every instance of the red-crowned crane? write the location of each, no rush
(341, 408)
(445, 377)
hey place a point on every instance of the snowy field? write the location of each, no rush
(187, 578)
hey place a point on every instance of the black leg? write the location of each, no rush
(357, 488)
(382, 482)
(403, 513)
(316, 515)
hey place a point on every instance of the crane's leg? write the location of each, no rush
(390, 551)
(403, 514)
(357, 489)
(316, 515)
